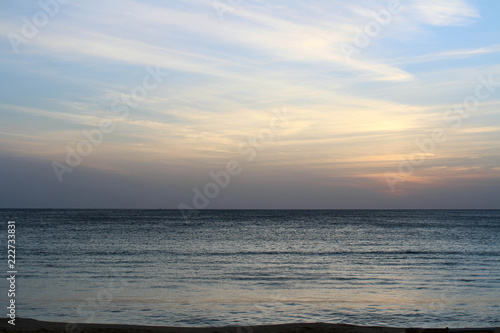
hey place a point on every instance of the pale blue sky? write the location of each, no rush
(352, 120)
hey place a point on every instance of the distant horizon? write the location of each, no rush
(290, 209)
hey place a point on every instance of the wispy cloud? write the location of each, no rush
(447, 55)
(446, 12)
(352, 120)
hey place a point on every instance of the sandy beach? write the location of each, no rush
(32, 325)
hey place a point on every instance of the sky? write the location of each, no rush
(250, 104)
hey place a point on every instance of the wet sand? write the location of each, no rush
(32, 325)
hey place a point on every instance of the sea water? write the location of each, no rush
(406, 268)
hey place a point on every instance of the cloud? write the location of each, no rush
(65, 116)
(352, 121)
(274, 37)
(446, 55)
(445, 12)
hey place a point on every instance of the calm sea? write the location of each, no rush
(429, 268)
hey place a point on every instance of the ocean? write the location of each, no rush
(406, 268)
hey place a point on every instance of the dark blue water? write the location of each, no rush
(397, 268)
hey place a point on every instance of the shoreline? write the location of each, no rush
(33, 325)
